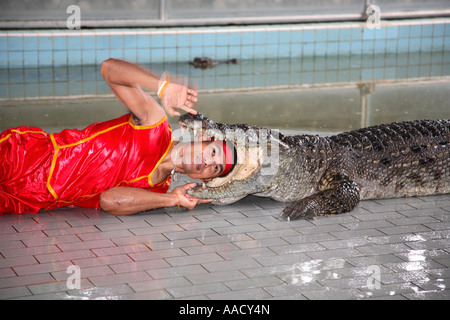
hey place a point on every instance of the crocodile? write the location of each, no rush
(205, 62)
(328, 175)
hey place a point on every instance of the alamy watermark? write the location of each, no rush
(74, 20)
(374, 280)
(374, 17)
(74, 280)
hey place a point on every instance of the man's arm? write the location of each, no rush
(129, 200)
(127, 82)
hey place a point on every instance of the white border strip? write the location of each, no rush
(222, 29)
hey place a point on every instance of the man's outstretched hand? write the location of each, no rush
(178, 96)
(187, 201)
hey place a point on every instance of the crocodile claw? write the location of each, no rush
(299, 209)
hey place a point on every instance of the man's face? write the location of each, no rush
(203, 160)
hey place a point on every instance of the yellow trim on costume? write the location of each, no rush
(134, 180)
(28, 131)
(52, 167)
(93, 136)
(5, 138)
(147, 127)
(157, 164)
(20, 132)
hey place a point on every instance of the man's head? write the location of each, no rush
(207, 159)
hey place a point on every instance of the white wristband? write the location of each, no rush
(161, 87)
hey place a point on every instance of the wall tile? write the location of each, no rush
(130, 41)
(3, 59)
(59, 43)
(143, 41)
(101, 55)
(392, 32)
(74, 43)
(15, 43)
(46, 89)
(247, 38)
(88, 42)
(308, 36)
(3, 43)
(46, 58)
(88, 57)
(235, 38)
(183, 40)
(74, 57)
(102, 42)
(32, 58)
(30, 44)
(116, 42)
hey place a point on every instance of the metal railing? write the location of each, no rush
(168, 13)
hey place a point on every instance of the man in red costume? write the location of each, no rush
(122, 166)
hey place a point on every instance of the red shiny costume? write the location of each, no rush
(40, 170)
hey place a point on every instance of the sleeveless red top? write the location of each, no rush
(73, 167)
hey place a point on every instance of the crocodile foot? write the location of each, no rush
(338, 195)
(301, 209)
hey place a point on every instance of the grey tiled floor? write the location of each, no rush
(240, 251)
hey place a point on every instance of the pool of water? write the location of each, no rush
(319, 109)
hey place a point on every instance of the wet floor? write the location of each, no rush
(384, 249)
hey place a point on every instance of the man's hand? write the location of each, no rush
(177, 96)
(187, 201)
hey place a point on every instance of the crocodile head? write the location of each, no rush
(257, 166)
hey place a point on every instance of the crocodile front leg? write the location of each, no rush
(338, 195)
